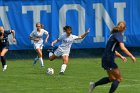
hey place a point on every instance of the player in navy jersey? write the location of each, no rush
(108, 59)
(4, 44)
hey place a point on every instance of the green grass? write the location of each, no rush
(22, 77)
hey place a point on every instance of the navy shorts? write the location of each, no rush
(109, 63)
(2, 46)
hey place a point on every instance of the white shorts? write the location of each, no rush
(38, 45)
(60, 52)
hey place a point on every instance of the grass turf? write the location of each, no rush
(22, 77)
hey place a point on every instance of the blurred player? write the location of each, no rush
(108, 63)
(37, 37)
(4, 44)
(64, 49)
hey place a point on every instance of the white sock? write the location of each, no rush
(63, 67)
(50, 54)
(41, 61)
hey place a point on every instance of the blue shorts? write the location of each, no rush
(109, 63)
(2, 46)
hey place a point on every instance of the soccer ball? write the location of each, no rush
(50, 71)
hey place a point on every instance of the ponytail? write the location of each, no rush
(114, 30)
(42, 26)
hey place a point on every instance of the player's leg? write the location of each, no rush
(64, 65)
(35, 59)
(3, 60)
(57, 53)
(116, 77)
(52, 56)
(39, 51)
(103, 80)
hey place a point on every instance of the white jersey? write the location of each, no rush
(66, 41)
(36, 34)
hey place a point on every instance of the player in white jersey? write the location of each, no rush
(64, 49)
(37, 37)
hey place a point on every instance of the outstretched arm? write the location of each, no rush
(84, 35)
(124, 49)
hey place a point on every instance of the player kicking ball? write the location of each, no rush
(108, 59)
(64, 49)
(4, 44)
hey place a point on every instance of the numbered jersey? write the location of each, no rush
(36, 34)
(4, 39)
(67, 41)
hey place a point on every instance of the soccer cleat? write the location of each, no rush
(91, 87)
(61, 73)
(4, 67)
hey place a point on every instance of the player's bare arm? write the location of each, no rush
(47, 36)
(120, 56)
(125, 50)
(55, 41)
(13, 34)
(84, 35)
(35, 39)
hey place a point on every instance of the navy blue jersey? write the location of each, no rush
(4, 40)
(113, 44)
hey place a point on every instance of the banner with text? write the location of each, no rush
(98, 15)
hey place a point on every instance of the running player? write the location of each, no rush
(108, 59)
(4, 44)
(64, 49)
(37, 37)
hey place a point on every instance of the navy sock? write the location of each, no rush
(114, 86)
(102, 81)
(3, 61)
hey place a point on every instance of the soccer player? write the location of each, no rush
(37, 37)
(108, 58)
(4, 44)
(64, 49)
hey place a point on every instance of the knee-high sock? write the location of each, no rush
(102, 81)
(41, 61)
(114, 86)
(63, 68)
(3, 61)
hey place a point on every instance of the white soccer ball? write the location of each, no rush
(50, 71)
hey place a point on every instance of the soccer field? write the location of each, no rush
(22, 77)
